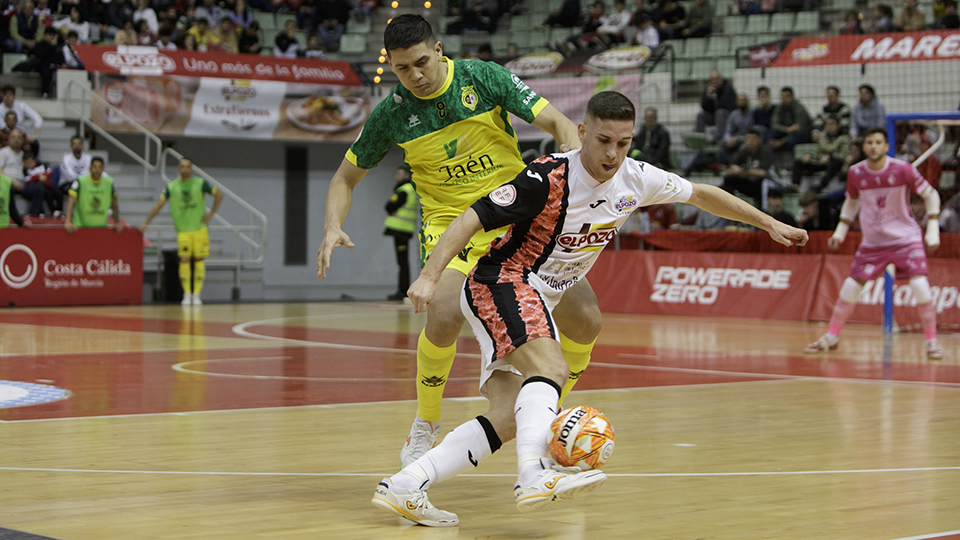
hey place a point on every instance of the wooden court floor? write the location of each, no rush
(278, 420)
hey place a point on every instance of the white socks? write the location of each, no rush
(535, 410)
(461, 450)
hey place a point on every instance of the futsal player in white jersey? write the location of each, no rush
(560, 212)
(879, 187)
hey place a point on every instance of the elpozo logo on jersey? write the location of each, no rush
(594, 238)
(23, 280)
(625, 204)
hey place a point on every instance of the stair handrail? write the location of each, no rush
(83, 115)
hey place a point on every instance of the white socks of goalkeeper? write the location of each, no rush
(535, 410)
(461, 450)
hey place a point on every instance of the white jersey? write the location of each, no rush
(72, 167)
(561, 218)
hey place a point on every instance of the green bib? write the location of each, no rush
(93, 201)
(5, 193)
(405, 218)
(186, 204)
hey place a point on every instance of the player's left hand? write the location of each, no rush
(421, 294)
(787, 235)
(119, 227)
(207, 217)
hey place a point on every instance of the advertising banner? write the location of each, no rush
(763, 55)
(870, 48)
(707, 284)
(48, 267)
(944, 284)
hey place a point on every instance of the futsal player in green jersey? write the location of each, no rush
(190, 218)
(90, 196)
(8, 208)
(451, 119)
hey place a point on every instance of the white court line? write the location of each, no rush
(180, 368)
(348, 475)
(931, 536)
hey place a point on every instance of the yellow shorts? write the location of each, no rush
(194, 244)
(464, 262)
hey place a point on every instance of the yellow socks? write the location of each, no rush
(199, 269)
(577, 356)
(433, 368)
(185, 276)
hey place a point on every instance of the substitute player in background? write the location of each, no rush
(450, 118)
(190, 218)
(91, 195)
(880, 188)
(560, 213)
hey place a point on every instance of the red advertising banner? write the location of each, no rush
(707, 284)
(944, 283)
(48, 267)
(870, 48)
(133, 60)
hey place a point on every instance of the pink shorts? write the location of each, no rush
(909, 259)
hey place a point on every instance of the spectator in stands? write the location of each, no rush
(652, 143)
(169, 20)
(250, 39)
(186, 21)
(144, 35)
(739, 123)
(11, 164)
(146, 13)
(165, 40)
(719, 98)
(867, 113)
(306, 14)
(24, 112)
(751, 166)
(699, 22)
(39, 174)
(209, 11)
(84, 207)
(241, 16)
(485, 52)
(188, 42)
(647, 33)
(286, 44)
(505, 7)
(364, 8)
(613, 27)
(950, 20)
(568, 16)
(202, 35)
(74, 22)
(476, 16)
(314, 47)
(25, 29)
(9, 125)
(791, 122)
(513, 52)
(882, 19)
(640, 8)
(73, 165)
(833, 106)
(42, 59)
(662, 216)
(67, 56)
(126, 35)
(832, 149)
(333, 15)
(44, 13)
(225, 37)
(910, 19)
(763, 114)
(815, 213)
(672, 20)
(592, 23)
(851, 23)
(775, 208)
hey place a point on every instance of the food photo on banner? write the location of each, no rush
(239, 96)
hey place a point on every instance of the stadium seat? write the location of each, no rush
(757, 24)
(10, 60)
(521, 23)
(499, 44)
(452, 44)
(266, 20)
(802, 149)
(743, 40)
(695, 48)
(353, 44)
(359, 27)
(695, 141)
(718, 46)
(767, 38)
(727, 65)
(681, 69)
(781, 22)
(700, 71)
(807, 22)
(734, 25)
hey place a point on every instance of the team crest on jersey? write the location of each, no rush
(397, 99)
(469, 97)
(625, 204)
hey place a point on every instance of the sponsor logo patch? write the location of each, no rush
(504, 195)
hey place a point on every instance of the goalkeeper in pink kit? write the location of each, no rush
(879, 187)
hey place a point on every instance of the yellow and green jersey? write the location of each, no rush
(458, 141)
(94, 199)
(187, 206)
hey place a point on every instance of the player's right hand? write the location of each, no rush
(834, 242)
(331, 240)
(421, 294)
(70, 227)
(142, 227)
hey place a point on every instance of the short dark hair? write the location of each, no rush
(754, 131)
(100, 159)
(49, 30)
(7, 88)
(875, 130)
(763, 89)
(405, 31)
(832, 116)
(868, 89)
(254, 25)
(73, 34)
(74, 137)
(14, 113)
(774, 194)
(610, 105)
(949, 3)
(29, 155)
(834, 88)
(787, 89)
(164, 31)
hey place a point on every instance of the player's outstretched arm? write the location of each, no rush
(555, 123)
(931, 200)
(847, 214)
(339, 197)
(153, 213)
(453, 240)
(722, 204)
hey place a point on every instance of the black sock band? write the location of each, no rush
(538, 378)
(492, 438)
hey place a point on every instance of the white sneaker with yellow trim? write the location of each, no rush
(556, 484)
(412, 504)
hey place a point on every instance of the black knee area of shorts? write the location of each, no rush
(492, 438)
(538, 378)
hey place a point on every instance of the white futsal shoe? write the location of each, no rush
(412, 504)
(422, 437)
(934, 351)
(826, 343)
(556, 484)
(196, 300)
(187, 299)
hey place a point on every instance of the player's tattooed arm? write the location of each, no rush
(453, 240)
